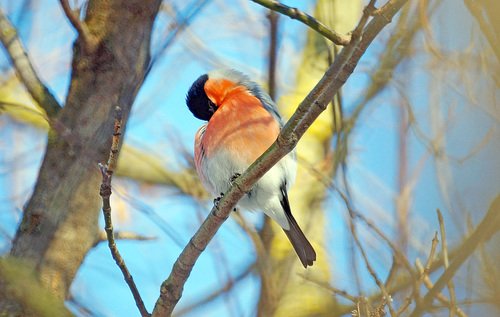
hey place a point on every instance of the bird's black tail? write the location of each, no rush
(302, 246)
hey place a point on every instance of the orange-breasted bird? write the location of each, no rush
(243, 122)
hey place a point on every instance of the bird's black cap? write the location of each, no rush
(197, 100)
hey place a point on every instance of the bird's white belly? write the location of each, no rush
(265, 195)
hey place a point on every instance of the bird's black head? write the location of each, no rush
(197, 100)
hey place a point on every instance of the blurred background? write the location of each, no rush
(414, 129)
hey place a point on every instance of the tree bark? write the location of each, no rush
(59, 224)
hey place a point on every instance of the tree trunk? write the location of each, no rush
(59, 223)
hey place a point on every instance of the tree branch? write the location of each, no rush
(444, 247)
(181, 22)
(123, 235)
(105, 192)
(488, 31)
(223, 289)
(440, 297)
(24, 69)
(306, 19)
(79, 25)
(488, 226)
(387, 296)
(312, 106)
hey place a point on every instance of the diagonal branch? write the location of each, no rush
(308, 20)
(312, 106)
(440, 297)
(487, 29)
(488, 226)
(24, 69)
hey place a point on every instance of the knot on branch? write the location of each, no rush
(183, 269)
(287, 141)
(105, 190)
(381, 13)
(321, 105)
(200, 249)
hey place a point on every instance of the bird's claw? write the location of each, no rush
(217, 200)
(233, 178)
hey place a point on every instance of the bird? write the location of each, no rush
(242, 123)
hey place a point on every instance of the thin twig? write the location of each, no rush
(488, 226)
(440, 297)
(223, 289)
(406, 303)
(367, 12)
(444, 247)
(487, 30)
(399, 255)
(124, 235)
(309, 109)
(428, 263)
(330, 288)
(306, 19)
(24, 68)
(273, 18)
(387, 296)
(105, 192)
(405, 282)
(427, 268)
(182, 21)
(79, 25)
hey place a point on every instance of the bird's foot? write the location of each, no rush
(233, 178)
(217, 200)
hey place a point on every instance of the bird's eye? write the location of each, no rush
(211, 106)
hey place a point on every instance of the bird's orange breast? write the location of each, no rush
(241, 126)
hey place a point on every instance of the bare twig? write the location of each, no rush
(367, 12)
(444, 247)
(79, 25)
(273, 53)
(330, 288)
(309, 109)
(228, 286)
(387, 296)
(488, 226)
(435, 242)
(399, 255)
(124, 235)
(404, 306)
(24, 68)
(397, 49)
(181, 22)
(308, 20)
(440, 297)
(487, 30)
(105, 192)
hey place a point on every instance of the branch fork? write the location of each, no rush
(87, 39)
